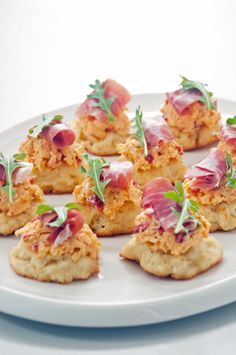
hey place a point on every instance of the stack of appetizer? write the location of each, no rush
(147, 190)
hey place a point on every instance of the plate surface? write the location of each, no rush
(122, 294)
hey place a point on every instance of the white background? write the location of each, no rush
(49, 52)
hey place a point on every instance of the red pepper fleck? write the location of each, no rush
(35, 247)
(149, 158)
(26, 237)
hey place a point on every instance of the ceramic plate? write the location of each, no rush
(122, 294)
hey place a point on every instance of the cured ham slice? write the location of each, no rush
(119, 173)
(2, 175)
(75, 220)
(59, 134)
(71, 226)
(156, 130)
(19, 175)
(112, 88)
(22, 173)
(153, 197)
(181, 99)
(209, 172)
(228, 133)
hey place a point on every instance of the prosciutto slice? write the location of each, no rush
(71, 226)
(181, 99)
(153, 196)
(59, 134)
(19, 175)
(120, 174)
(209, 172)
(112, 88)
(156, 130)
(2, 175)
(228, 133)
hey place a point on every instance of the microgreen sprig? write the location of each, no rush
(10, 164)
(96, 165)
(206, 95)
(102, 102)
(231, 121)
(231, 172)
(46, 121)
(19, 156)
(186, 206)
(61, 212)
(138, 120)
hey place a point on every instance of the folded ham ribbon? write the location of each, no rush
(153, 197)
(156, 130)
(181, 99)
(71, 226)
(112, 88)
(120, 174)
(59, 134)
(208, 173)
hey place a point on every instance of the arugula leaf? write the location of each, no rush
(73, 205)
(231, 120)
(206, 95)
(231, 172)
(96, 165)
(19, 156)
(138, 120)
(41, 209)
(46, 121)
(10, 166)
(186, 206)
(102, 102)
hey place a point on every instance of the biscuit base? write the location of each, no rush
(105, 147)
(60, 269)
(221, 216)
(175, 170)
(194, 139)
(62, 179)
(103, 226)
(9, 224)
(195, 261)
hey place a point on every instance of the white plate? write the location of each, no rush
(122, 294)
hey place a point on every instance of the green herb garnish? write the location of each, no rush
(231, 172)
(102, 102)
(19, 156)
(10, 165)
(186, 206)
(206, 95)
(61, 212)
(96, 165)
(231, 120)
(46, 121)
(138, 120)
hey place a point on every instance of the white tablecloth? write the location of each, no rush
(49, 52)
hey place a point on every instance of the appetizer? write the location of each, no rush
(109, 197)
(56, 246)
(191, 113)
(171, 237)
(56, 157)
(212, 184)
(101, 122)
(227, 138)
(19, 195)
(153, 151)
